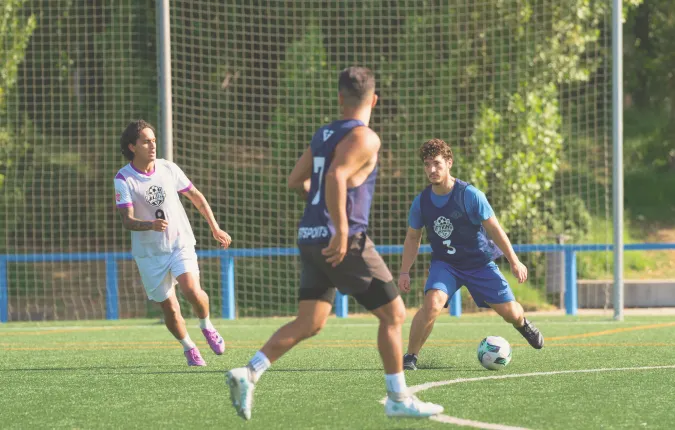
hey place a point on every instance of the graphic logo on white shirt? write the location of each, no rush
(155, 195)
(443, 227)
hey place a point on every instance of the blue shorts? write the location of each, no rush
(486, 284)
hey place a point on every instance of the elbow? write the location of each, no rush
(126, 223)
(293, 183)
(334, 178)
(296, 182)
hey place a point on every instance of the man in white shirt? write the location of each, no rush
(162, 242)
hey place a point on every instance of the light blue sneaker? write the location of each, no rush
(411, 407)
(241, 391)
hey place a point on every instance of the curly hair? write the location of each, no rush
(435, 147)
(130, 136)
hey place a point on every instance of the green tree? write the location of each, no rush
(15, 33)
(495, 92)
(650, 83)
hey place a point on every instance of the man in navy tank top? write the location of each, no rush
(458, 220)
(336, 175)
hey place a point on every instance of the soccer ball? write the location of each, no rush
(494, 352)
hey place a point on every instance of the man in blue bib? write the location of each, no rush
(336, 175)
(458, 220)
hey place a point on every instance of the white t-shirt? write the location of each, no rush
(155, 195)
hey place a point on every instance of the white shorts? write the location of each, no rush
(159, 273)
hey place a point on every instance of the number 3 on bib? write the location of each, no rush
(451, 249)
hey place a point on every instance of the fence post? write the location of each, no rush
(227, 286)
(341, 305)
(111, 289)
(164, 78)
(456, 304)
(570, 282)
(4, 293)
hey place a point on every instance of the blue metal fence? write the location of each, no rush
(227, 261)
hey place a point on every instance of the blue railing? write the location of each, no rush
(227, 283)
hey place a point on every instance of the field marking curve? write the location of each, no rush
(447, 419)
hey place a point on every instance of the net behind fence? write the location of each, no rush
(89, 67)
(520, 89)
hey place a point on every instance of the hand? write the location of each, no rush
(404, 282)
(519, 271)
(336, 249)
(159, 225)
(222, 237)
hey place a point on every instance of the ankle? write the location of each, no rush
(257, 366)
(397, 390)
(205, 323)
(520, 324)
(397, 397)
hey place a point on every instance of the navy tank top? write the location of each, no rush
(316, 226)
(453, 237)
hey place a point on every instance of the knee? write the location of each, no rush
(189, 285)
(513, 314)
(309, 329)
(192, 291)
(396, 315)
(434, 307)
(172, 311)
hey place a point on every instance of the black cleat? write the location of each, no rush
(532, 335)
(410, 362)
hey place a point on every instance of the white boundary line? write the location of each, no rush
(481, 425)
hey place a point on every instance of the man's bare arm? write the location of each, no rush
(350, 156)
(199, 201)
(299, 179)
(134, 224)
(498, 235)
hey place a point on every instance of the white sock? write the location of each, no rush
(187, 343)
(397, 389)
(258, 364)
(206, 324)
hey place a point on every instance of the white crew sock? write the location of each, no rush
(257, 366)
(397, 389)
(187, 343)
(206, 324)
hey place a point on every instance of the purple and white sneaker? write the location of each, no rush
(194, 358)
(215, 340)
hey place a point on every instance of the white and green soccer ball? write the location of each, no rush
(494, 352)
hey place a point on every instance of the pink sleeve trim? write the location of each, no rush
(186, 189)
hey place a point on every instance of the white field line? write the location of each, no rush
(490, 426)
